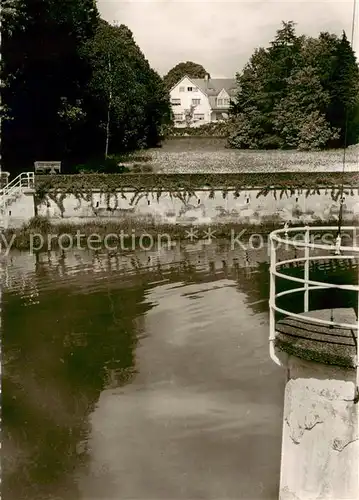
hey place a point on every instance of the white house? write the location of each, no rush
(202, 100)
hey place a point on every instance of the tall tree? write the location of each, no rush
(344, 92)
(320, 53)
(299, 118)
(298, 93)
(124, 92)
(252, 106)
(71, 82)
(181, 69)
(261, 85)
(283, 53)
(43, 74)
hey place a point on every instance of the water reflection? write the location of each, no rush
(202, 418)
(143, 375)
(58, 354)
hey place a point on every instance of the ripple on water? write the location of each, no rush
(154, 383)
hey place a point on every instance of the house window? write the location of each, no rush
(176, 102)
(219, 102)
(226, 102)
(190, 89)
(199, 116)
(181, 89)
(178, 116)
(196, 102)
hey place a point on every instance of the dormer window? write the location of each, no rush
(223, 102)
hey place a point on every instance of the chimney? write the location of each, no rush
(206, 81)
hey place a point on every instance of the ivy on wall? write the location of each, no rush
(183, 186)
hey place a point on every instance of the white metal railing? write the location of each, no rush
(281, 238)
(23, 181)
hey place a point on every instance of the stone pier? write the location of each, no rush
(320, 441)
(20, 210)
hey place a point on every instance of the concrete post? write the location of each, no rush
(20, 210)
(320, 440)
(320, 446)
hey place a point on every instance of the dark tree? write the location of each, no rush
(342, 111)
(181, 69)
(43, 75)
(127, 99)
(298, 93)
(74, 87)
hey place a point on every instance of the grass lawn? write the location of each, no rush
(195, 155)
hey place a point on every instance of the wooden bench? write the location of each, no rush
(44, 167)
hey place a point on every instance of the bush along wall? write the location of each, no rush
(206, 130)
(82, 186)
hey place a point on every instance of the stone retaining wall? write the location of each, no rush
(203, 207)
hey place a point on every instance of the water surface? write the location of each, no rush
(139, 376)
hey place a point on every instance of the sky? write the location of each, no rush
(221, 35)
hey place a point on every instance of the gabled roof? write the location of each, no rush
(212, 86)
(181, 80)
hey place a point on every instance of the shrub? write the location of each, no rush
(110, 165)
(142, 169)
(218, 129)
(315, 132)
(39, 224)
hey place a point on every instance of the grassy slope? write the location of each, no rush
(210, 156)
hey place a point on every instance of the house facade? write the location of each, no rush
(196, 101)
